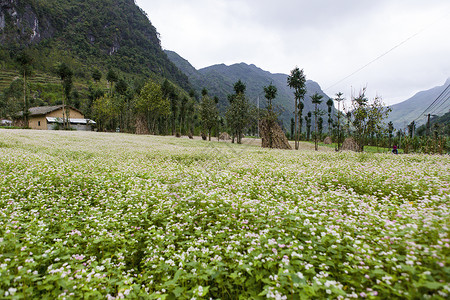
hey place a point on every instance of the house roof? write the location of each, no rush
(71, 120)
(43, 110)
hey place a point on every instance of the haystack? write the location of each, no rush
(224, 136)
(327, 141)
(141, 126)
(279, 140)
(350, 144)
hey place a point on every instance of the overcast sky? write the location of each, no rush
(329, 39)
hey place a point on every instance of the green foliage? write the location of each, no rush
(208, 113)
(297, 81)
(270, 92)
(152, 105)
(238, 114)
(367, 118)
(316, 99)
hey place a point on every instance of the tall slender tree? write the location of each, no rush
(339, 99)
(25, 62)
(330, 109)
(208, 113)
(297, 81)
(270, 92)
(112, 78)
(308, 118)
(65, 73)
(316, 99)
(238, 113)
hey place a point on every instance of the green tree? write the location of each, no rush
(292, 127)
(330, 109)
(183, 109)
(65, 74)
(105, 111)
(150, 106)
(316, 99)
(367, 117)
(11, 99)
(339, 99)
(238, 112)
(390, 132)
(112, 78)
(208, 113)
(297, 81)
(96, 75)
(308, 119)
(270, 92)
(25, 62)
(301, 106)
(170, 93)
(320, 127)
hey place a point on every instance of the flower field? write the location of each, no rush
(95, 215)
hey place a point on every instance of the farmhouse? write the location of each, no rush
(51, 118)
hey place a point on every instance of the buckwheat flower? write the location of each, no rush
(12, 291)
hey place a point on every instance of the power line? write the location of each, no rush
(444, 96)
(444, 91)
(385, 53)
(436, 110)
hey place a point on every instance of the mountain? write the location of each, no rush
(415, 108)
(85, 33)
(219, 80)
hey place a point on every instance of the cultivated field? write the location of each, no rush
(99, 215)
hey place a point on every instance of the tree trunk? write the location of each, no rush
(296, 125)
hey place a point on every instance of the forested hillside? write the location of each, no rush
(84, 33)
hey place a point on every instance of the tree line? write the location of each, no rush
(156, 106)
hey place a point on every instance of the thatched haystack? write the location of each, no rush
(327, 141)
(350, 144)
(141, 126)
(224, 136)
(279, 140)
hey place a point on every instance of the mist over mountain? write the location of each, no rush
(416, 107)
(219, 80)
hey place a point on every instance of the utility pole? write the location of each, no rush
(428, 125)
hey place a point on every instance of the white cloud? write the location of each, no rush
(328, 39)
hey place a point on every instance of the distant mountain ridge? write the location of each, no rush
(219, 80)
(414, 108)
